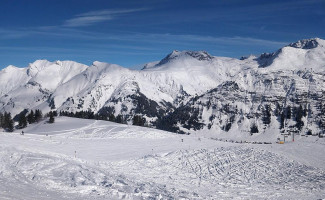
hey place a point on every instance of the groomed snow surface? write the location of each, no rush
(88, 159)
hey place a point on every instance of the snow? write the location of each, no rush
(192, 72)
(11, 78)
(308, 43)
(148, 65)
(54, 74)
(89, 159)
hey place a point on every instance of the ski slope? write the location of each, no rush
(89, 159)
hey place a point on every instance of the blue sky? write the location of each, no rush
(133, 32)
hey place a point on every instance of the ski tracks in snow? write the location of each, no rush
(228, 172)
(71, 177)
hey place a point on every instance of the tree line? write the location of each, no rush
(23, 119)
(137, 120)
(34, 116)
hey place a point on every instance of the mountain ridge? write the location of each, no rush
(179, 83)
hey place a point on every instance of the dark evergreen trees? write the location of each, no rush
(51, 117)
(31, 117)
(299, 113)
(138, 120)
(8, 123)
(266, 115)
(254, 128)
(10, 127)
(120, 119)
(288, 112)
(227, 127)
(111, 118)
(282, 118)
(55, 113)
(1, 120)
(22, 123)
(38, 115)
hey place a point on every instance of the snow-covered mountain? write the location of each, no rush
(185, 91)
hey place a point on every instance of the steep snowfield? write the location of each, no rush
(88, 159)
(51, 75)
(12, 77)
(25, 88)
(301, 55)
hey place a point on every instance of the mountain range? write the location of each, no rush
(185, 92)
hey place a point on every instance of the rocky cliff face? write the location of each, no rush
(287, 101)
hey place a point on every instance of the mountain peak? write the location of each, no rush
(37, 66)
(199, 55)
(10, 68)
(307, 43)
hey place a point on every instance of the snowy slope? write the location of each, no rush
(30, 87)
(12, 77)
(87, 159)
(51, 75)
(183, 81)
(303, 54)
(101, 82)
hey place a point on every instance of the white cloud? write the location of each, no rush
(86, 21)
(93, 17)
(144, 38)
(110, 12)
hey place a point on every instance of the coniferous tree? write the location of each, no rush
(138, 120)
(31, 117)
(119, 119)
(282, 118)
(254, 128)
(8, 122)
(266, 115)
(51, 116)
(1, 120)
(111, 118)
(22, 122)
(277, 111)
(288, 112)
(38, 115)
(10, 127)
(298, 117)
(5, 120)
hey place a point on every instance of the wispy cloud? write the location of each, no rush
(139, 38)
(86, 21)
(93, 17)
(236, 40)
(111, 12)
(198, 39)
